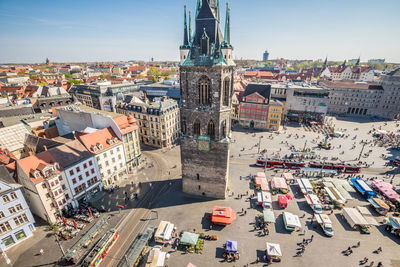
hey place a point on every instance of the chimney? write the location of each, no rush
(45, 148)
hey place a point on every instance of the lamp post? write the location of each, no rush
(8, 261)
(259, 144)
(362, 149)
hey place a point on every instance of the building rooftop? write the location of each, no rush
(351, 85)
(35, 166)
(70, 153)
(98, 141)
(263, 89)
(83, 108)
(126, 124)
(7, 179)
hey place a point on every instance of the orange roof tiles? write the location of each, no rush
(37, 163)
(100, 137)
(126, 123)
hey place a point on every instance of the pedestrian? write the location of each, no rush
(372, 264)
(358, 243)
(331, 211)
(312, 237)
(304, 231)
(242, 210)
(41, 251)
(245, 212)
(379, 249)
(379, 264)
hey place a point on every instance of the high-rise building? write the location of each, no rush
(265, 55)
(206, 76)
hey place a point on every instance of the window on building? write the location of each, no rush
(13, 196)
(112, 152)
(80, 177)
(87, 174)
(12, 210)
(66, 196)
(5, 227)
(90, 163)
(92, 171)
(204, 91)
(63, 187)
(1, 214)
(6, 199)
(211, 129)
(78, 169)
(44, 185)
(71, 172)
(84, 165)
(60, 178)
(118, 149)
(196, 127)
(119, 157)
(225, 91)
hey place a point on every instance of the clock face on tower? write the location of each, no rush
(203, 143)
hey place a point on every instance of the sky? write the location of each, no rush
(119, 30)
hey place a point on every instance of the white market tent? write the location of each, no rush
(353, 217)
(367, 215)
(274, 249)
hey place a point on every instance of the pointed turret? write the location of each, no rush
(325, 63)
(184, 48)
(198, 6)
(344, 63)
(190, 27)
(227, 35)
(358, 61)
(185, 32)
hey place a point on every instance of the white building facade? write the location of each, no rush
(16, 220)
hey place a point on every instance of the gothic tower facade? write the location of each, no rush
(206, 79)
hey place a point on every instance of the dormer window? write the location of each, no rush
(109, 141)
(100, 146)
(115, 140)
(36, 174)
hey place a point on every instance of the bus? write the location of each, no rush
(101, 249)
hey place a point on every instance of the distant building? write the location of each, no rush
(255, 107)
(390, 107)
(47, 97)
(104, 97)
(356, 73)
(376, 60)
(168, 88)
(265, 55)
(306, 103)
(16, 220)
(159, 121)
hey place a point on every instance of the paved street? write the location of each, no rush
(189, 213)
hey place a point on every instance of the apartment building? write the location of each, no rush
(16, 220)
(45, 186)
(81, 170)
(159, 121)
(108, 151)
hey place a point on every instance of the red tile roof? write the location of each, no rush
(126, 123)
(37, 163)
(98, 141)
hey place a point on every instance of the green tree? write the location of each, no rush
(74, 81)
(268, 63)
(21, 72)
(67, 76)
(33, 77)
(154, 79)
(101, 76)
(167, 78)
(42, 83)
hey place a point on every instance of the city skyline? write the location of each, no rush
(122, 31)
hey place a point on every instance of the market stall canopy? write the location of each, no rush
(394, 222)
(386, 189)
(367, 215)
(223, 215)
(260, 174)
(262, 182)
(190, 265)
(354, 217)
(288, 176)
(282, 200)
(378, 203)
(279, 182)
(274, 249)
(231, 246)
(269, 216)
(189, 238)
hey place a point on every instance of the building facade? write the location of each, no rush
(159, 121)
(305, 104)
(390, 107)
(16, 220)
(265, 55)
(45, 186)
(206, 76)
(109, 153)
(354, 99)
(81, 171)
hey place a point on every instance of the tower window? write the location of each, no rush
(199, 187)
(211, 129)
(204, 91)
(198, 177)
(184, 127)
(196, 127)
(225, 92)
(223, 127)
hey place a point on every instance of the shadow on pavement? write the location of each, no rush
(343, 222)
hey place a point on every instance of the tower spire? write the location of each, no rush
(198, 7)
(190, 27)
(185, 31)
(358, 61)
(227, 37)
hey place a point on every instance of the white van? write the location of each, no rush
(325, 223)
(314, 203)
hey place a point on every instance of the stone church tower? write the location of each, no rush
(206, 77)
